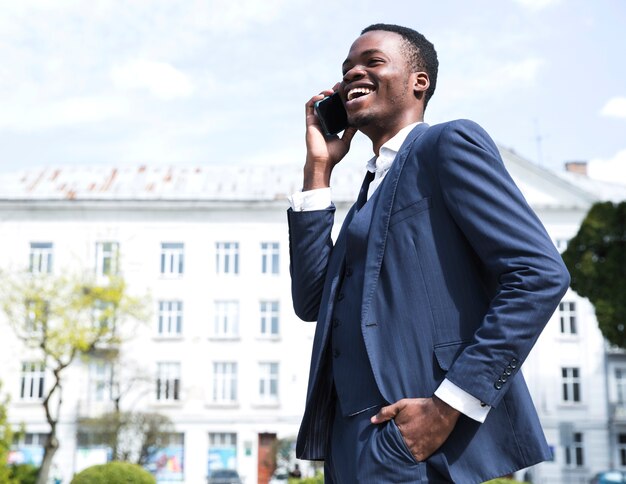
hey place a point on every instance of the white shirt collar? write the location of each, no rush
(380, 164)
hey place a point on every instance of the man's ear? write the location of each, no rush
(421, 83)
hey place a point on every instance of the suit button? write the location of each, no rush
(336, 353)
(503, 378)
(335, 322)
(508, 372)
(513, 363)
(348, 271)
(340, 297)
(498, 385)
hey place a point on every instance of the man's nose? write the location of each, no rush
(353, 74)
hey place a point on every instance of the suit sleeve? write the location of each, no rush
(310, 247)
(513, 247)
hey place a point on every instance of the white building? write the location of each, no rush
(226, 356)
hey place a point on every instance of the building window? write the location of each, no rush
(168, 382)
(224, 382)
(621, 449)
(567, 317)
(574, 455)
(167, 460)
(40, 259)
(103, 317)
(32, 380)
(172, 258)
(37, 312)
(100, 381)
(226, 321)
(620, 385)
(32, 439)
(269, 257)
(571, 384)
(107, 258)
(268, 382)
(170, 318)
(222, 451)
(269, 318)
(227, 257)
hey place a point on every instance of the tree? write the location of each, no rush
(65, 317)
(132, 436)
(6, 439)
(596, 259)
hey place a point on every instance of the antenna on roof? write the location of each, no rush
(538, 141)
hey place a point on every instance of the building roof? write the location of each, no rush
(541, 187)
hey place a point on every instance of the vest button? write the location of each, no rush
(348, 271)
(336, 353)
(341, 296)
(335, 322)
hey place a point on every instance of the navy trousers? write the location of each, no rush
(364, 453)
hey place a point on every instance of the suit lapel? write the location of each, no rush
(380, 221)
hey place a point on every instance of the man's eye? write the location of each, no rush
(373, 62)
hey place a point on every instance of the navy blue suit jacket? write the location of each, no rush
(460, 280)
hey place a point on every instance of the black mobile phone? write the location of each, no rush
(332, 114)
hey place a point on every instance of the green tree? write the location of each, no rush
(596, 260)
(6, 439)
(132, 436)
(65, 317)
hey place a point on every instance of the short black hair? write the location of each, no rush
(420, 53)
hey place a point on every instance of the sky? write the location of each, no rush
(224, 82)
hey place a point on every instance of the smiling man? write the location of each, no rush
(433, 294)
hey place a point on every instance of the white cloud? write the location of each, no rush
(537, 4)
(610, 170)
(615, 107)
(161, 79)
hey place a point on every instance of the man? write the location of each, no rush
(437, 287)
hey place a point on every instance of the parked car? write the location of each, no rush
(609, 477)
(224, 476)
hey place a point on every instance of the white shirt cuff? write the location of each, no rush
(462, 401)
(318, 199)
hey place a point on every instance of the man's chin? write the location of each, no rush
(359, 120)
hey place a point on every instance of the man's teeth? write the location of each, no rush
(357, 92)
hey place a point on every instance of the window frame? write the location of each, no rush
(269, 375)
(225, 382)
(227, 258)
(225, 319)
(571, 385)
(168, 382)
(43, 254)
(270, 258)
(107, 257)
(172, 259)
(34, 379)
(170, 317)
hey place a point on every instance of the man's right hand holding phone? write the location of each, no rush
(322, 152)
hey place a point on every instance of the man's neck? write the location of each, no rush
(379, 140)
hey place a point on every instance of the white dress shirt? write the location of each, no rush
(320, 199)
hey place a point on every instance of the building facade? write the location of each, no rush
(222, 354)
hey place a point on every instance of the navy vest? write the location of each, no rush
(354, 381)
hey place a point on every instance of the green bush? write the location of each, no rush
(118, 472)
(318, 479)
(503, 480)
(24, 473)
